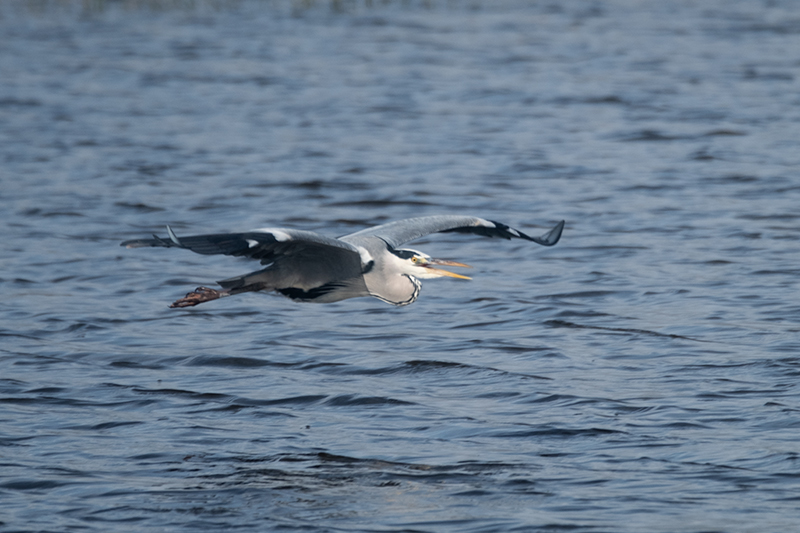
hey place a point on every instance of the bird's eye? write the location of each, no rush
(414, 259)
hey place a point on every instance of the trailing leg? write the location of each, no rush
(204, 294)
(198, 296)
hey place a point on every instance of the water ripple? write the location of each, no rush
(639, 376)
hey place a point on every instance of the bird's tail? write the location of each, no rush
(260, 278)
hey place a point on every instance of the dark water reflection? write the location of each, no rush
(640, 376)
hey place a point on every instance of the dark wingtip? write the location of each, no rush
(552, 237)
(154, 242)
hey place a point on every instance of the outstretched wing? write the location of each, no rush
(401, 231)
(267, 244)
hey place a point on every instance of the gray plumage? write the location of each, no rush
(307, 266)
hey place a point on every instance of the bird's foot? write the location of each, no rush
(197, 296)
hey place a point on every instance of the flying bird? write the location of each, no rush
(310, 267)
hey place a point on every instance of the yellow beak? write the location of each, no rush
(444, 262)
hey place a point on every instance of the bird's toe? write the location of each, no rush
(197, 296)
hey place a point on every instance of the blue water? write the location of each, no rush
(641, 375)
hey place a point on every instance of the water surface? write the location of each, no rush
(639, 376)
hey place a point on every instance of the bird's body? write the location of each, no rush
(307, 266)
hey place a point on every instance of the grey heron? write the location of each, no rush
(310, 267)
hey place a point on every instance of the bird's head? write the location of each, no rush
(422, 266)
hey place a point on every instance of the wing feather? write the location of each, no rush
(266, 244)
(402, 231)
